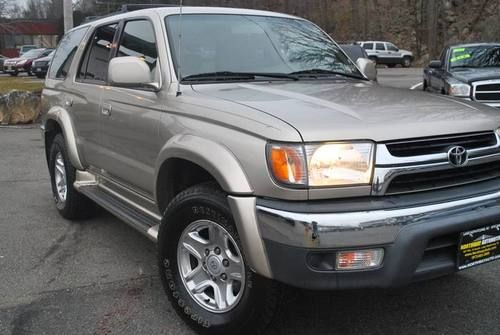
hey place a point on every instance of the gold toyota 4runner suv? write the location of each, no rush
(255, 152)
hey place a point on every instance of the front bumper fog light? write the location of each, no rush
(359, 259)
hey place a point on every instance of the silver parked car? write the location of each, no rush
(255, 152)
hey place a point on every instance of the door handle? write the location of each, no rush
(106, 109)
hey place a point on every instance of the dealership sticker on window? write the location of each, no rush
(461, 57)
(457, 50)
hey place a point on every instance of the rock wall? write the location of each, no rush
(19, 107)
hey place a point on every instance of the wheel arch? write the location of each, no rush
(187, 159)
(57, 120)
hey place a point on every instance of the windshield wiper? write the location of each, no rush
(322, 72)
(229, 75)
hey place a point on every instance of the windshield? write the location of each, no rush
(254, 44)
(477, 56)
(32, 53)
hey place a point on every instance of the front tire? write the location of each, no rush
(406, 62)
(203, 267)
(70, 204)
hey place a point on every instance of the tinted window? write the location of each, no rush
(380, 46)
(368, 46)
(138, 39)
(354, 51)
(443, 56)
(65, 53)
(94, 66)
(392, 47)
(46, 53)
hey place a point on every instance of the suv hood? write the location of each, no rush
(477, 74)
(345, 110)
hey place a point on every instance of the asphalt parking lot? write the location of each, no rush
(100, 277)
(410, 78)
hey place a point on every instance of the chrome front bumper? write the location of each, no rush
(362, 228)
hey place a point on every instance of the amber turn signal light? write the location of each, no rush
(287, 164)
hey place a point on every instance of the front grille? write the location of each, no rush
(428, 146)
(487, 92)
(488, 96)
(488, 87)
(419, 182)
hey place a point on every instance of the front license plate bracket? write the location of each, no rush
(478, 247)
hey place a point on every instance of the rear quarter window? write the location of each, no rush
(368, 46)
(65, 53)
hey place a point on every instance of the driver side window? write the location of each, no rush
(138, 40)
(442, 58)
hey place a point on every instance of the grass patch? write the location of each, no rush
(19, 83)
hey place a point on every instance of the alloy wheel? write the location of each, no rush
(211, 266)
(60, 178)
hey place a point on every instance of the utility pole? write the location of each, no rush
(68, 14)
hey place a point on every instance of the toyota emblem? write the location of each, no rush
(458, 156)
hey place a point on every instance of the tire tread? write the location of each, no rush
(260, 321)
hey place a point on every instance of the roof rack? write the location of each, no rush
(134, 7)
(127, 8)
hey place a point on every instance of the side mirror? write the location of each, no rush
(368, 68)
(132, 72)
(435, 64)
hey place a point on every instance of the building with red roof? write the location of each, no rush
(15, 33)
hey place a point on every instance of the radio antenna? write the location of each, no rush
(179, 76)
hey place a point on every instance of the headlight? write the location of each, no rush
(337, 164)
(459, 90)
(22, 62)
(322, 165)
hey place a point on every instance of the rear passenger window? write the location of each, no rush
(65, 53)
(380, 46)
(138, 39)
(368, 46)
(94, 66)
